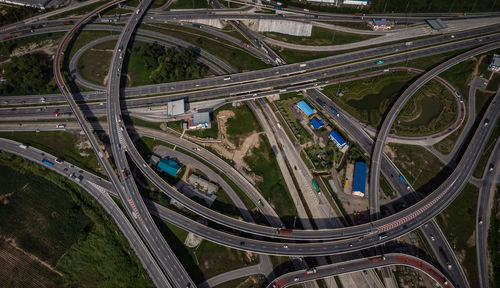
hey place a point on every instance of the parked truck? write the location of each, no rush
(281, 231)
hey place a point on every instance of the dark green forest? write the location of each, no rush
(170, 64)
(28, 74)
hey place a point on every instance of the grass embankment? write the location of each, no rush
(488, 149)
(234, 55)
(262, 162)
(61, 144)
(420, 168)
(208, 259)
(458, 222)
(63, 226)
(494, 240)
(320, 37)
(482, 97)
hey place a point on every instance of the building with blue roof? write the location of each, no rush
(337, 138)
(358, 186)
(317, 123)
(169, 166)
(305, 108)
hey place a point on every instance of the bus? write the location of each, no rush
(316, 187)
(46, 162)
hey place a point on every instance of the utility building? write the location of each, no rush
(358, 187)
(305, 108)
(316, 123)
(199, 121)
(356, 2)
(175, 108)
(436, 24)
(337, 138)
(381, 24)
(169, 166)
(495, 63)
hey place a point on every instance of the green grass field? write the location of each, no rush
(460, 233)
(60, 144)
(420, 168)
(63, 226)
(93, 65)
(460, 75)
(208, 259)
(296, 56)
(446, 145)
(482, 98)
(494, 240)
(320, 37)
(254, 281)
(494, 83)
(241, 125)
(262, 162)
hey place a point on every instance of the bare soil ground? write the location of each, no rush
(229, 149)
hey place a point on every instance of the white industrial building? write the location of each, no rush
(199, 121)
(40, 4)
(356, 2)
(333, 2)
(495, 63)
(176, 107)
(381, 24)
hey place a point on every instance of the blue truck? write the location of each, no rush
(48, 163)
(402, 179)
(277, 7)
(321, 103)
(334, 111)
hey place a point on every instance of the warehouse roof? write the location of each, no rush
(358, 186)
(304, 107)
(339, 140)
(436, 24)
(200, 118)
(495, 61)
(316, 123)
(169, 166)
(381, 22)
(175, 107)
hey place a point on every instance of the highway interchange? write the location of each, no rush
(340, 240)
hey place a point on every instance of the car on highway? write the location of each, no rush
(285, 246)
(379, 62)
(23, 102)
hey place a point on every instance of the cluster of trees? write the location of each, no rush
(171, 64)
(13, 14)
(28, 74)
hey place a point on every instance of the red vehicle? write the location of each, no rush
(8, 37)
(359, 14)
(245, 44)
(67, 22)
(284, 231)
(56, 111)
(22, 102)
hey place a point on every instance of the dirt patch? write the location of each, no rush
(476, 67)
(47, 46)
(228, 149)
(388, 150)
(471, 242)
